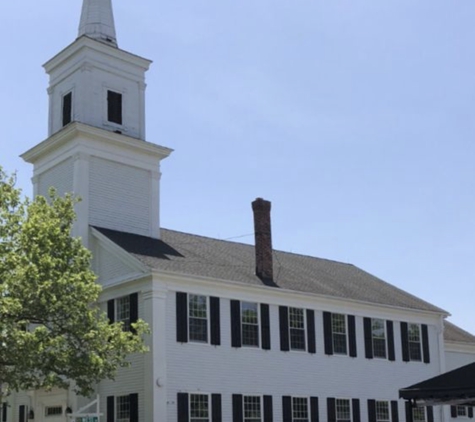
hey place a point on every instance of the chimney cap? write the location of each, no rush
(261, 204)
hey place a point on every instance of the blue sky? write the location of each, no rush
(354, 117)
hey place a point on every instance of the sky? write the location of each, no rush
(355, 118)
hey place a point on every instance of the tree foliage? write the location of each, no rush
(52, 331)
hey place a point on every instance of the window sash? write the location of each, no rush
(382, 411)
(378, 332)
(418, 414)
(122, 409)
(250, 324)
(198, 318)
(343, 410)
(199, 407)
(297, 329)
(123, 311)
(461, 411)
(300, 409)
(252, 408)
(414, 342)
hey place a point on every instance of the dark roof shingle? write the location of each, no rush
(224, 260)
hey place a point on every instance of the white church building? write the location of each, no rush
(239, 333)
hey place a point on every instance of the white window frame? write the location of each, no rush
(258, 345)
(261, 407)
(117, 405)
(388, 404)
(208, 319)
(294, 419)
(409, 341)
(462, 414)
(423, 410)
(304, 329)
(49, 408)
(349, 406)
(385, 338)
(210, 409)
(345, 318)
(118, 317)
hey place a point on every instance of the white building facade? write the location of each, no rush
(238, 333)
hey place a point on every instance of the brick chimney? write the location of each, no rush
(263, 236)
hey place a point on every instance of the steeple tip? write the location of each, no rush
(97, 21)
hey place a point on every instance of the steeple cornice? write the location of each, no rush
(97, 21)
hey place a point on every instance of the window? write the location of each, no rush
(339, 334)
(418, 414)
(343, 410)
(122, 409)
(114, 107)
(414, 338)
(415, 342)
(252, 409)
(297, 328)
(123, 312)
(198, 318)
(67, 108)
(199, 408)
(379, 338)
(250, 324)
(461, 411)
(124, 309)
(382, 411)
(53, 410)
(300, 409)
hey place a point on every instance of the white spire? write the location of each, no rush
(97, 21)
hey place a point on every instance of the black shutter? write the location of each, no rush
(470, 411)
(284, 328)
(453, 411)
(182, 409)
(237, 407)
(355, 403)
(331, 411)
(4, 412)
(110, 409)
(268, 411)
(134, 309)
(405, 344)
(114, 107)
(425, 344)
(286, 409)
(368, 341)
(111, 310)
(352, 335)
(394, 411)
(327, 334)
(390, 334)
(313, 409)
(181, 317)
(430, 414)
(22, 413)
(372, 410)
(409, 417)
(215, 321)
(67, 108)
(312, 347)
(236, 324)
(265, 326)
(216, 411)
(134, 407)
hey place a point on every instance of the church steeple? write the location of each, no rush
(96, 146)
(97, 21)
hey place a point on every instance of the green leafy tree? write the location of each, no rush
(52, 331)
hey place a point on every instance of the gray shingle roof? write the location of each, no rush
(456, 334)
(224, 260)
